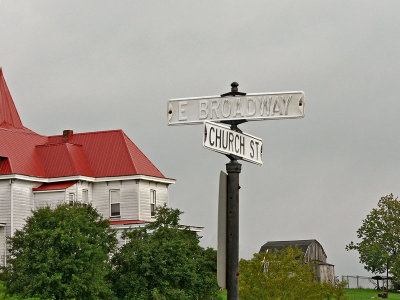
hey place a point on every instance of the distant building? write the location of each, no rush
(104, 168)
(313, 252)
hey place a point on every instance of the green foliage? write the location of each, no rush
(4, 295)
(164, 261)
(61, 254)
(282, 275)
(379, 238)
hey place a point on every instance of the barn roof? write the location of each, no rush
(280, 245)
(94, 154)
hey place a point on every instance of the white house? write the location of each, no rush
(104, 168)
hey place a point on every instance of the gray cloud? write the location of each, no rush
(97, 65)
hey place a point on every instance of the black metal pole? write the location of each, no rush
(233, 169)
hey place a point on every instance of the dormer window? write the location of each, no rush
(115, 206)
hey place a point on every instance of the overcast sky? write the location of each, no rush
(99, 65)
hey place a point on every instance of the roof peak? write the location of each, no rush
(9, 117)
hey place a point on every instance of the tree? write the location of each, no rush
(379, 238)
(163, 260)
(61, 253)
(282, 275)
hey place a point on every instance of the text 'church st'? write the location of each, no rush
(104, 168)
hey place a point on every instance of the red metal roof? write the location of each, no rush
(63, 159)
(9, 117)
(94, 154)
(126, 222)
(54, 186)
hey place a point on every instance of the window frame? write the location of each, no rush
(111, 203)
(153, 202)
(73, 199)
(87, 196)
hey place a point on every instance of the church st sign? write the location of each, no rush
(265, 106)
(222, 139)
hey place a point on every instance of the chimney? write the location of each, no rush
(67, 134)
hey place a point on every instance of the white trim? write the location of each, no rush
(87, 194)
(74, 198)
(11, 208)
(50, 191)
(130, 226)
(111, 203)
(153, 201)
(138, 196)
(89, 179)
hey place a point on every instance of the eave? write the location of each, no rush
(87, 178)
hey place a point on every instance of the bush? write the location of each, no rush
(164, 261)
(282, 275)
(61, 254)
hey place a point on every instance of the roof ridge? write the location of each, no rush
(90, 132)
(22, 130)
(58, 144)
(73, 159)
(129, 152)
(291, 241)
(127, 138)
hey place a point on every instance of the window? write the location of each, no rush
(153, 202)
(85, 196)
(71, 198)
(115, 203)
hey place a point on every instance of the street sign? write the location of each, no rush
(233, 108)
(250, 107)
(222, 139)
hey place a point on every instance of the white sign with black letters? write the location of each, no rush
(266, 106)
(222, 139)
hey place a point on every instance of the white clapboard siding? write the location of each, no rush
(128, 198)
(5, 202)
(3, 250)
(49, 198)
(23, 201)
(161, 197)
(84, 185)
(101, 197)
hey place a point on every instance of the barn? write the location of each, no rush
(313, 252)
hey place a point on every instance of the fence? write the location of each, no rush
(363, 282)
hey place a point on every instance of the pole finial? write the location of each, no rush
(234, 86)
(234, 90)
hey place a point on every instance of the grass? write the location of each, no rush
(354, 294)
(351, 294)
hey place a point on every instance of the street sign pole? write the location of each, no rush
(232, 109)
(233, 169)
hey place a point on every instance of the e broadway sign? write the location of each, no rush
(224, 140)
(286, 105)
